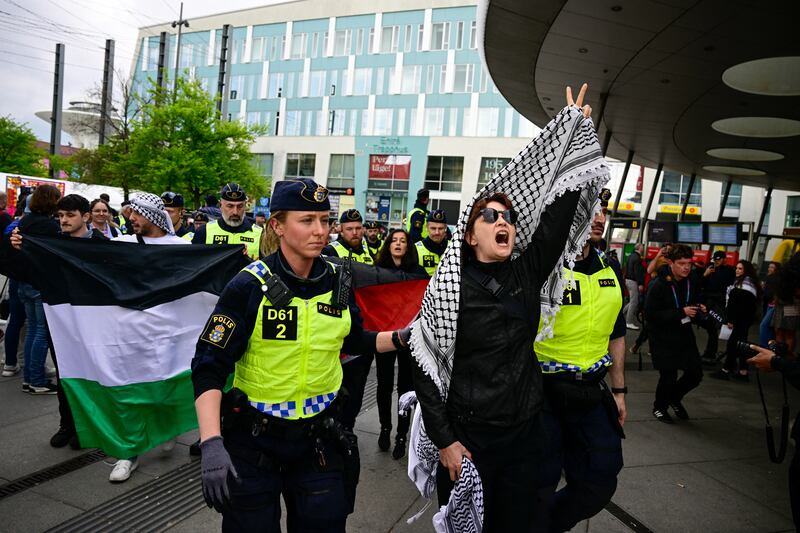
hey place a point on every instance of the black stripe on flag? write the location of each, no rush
(132, 275)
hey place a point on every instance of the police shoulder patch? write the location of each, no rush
(328, 309)
(610, 282)
(218, 330)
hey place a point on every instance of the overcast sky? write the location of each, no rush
(30, 29)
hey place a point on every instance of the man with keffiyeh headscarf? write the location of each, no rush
(477, 379)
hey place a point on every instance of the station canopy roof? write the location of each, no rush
(703, 86)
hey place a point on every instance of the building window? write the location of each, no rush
(362, 81)
(341, 44)
(316, 86)
(464, 76)
(473, 35)
(291, 124)
(341, 173)
(236, 88)
(410, 81)
(442, 78)
(401, 121)
(440, 36)
(420, 37)
(352, 122)
(460, 36)
(444, 173)
(258, 50)
(488, 118)
(152, 54)
(434, 122)
(275, 85)
(390, 36)
(389, 172)
(337, 118)
(452, 122)
(263, 165)
(289, 92)
(429, 79)
(380, 75)
(298, 46)
(490, 166)
(371, 40)
(275, 49)
(300, 165)
(383, 122)
(508, 122)
(674, 187)
(315, 45)
(408, 40)
(484, 80)
(360, 41)
(452, 208)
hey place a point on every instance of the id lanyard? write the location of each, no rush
(675, 294)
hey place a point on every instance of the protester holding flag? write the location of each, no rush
(279, 327)
(477, 378)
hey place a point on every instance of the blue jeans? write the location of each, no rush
(766, 332)
(36, 340)
(16, 319)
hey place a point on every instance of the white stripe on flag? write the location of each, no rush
(114, 345)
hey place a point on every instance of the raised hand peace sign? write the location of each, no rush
(587, 109)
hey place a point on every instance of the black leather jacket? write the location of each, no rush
(496, 381)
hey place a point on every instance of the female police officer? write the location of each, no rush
(279, 327)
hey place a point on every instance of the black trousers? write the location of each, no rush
(508, 471)
(67, 420)
(794, 484)
(671, 389)
(354, 379)
(384, 366)
(732, 355)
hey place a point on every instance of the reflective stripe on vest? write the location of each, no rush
(427, 259)
(251, 238)
(584, 322)
(363, 257)
(424, 231)
(291, 366)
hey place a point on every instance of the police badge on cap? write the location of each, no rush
(232, 192)
(302, 194)
(438, 216)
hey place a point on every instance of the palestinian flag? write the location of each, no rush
(124, 319)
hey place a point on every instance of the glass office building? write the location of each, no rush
(373, 99)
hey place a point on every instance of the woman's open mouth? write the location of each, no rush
(501, 237)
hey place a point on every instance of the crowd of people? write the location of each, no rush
(523, 408)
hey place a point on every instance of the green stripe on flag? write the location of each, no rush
(129, 420)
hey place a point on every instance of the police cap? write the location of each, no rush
(301, 194)
(232, 192)
(438, 216)
(423, 194)
(172, 199)
(372, 224)
(199, 216)
(605, 196)
(351, 215)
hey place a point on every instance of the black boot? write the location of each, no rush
(383, 438)
(399, 447)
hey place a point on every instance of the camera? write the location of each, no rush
(778, 348)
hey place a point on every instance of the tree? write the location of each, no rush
(18, 151)
(178, 143)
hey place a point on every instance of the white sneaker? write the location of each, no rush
(10, 370)
(169, 445)
(123, 470)
(632, 326)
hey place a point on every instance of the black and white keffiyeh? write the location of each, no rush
(152, 208)
(564, 156)
(464, 510)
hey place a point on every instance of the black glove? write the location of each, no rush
(405, 335)
(216, 464)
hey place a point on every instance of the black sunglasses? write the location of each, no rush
(490, 215)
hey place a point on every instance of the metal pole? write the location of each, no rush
(622, 182)
(223, 67)
(724, 199)
(108, 91)
(767, 200)
(58, 98)
(162, 59)
(688, 194)
(646, 214)
(180, 23)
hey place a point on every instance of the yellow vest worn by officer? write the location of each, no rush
(424, 230)
(584, 322)
(250, 238)
(291, 366)
(373, 248)
(427, 259)
(364, 257)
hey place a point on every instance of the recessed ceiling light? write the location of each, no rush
(583, 50)
(734, 171)
(744, 154)
(773, 76)
(763, 127)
